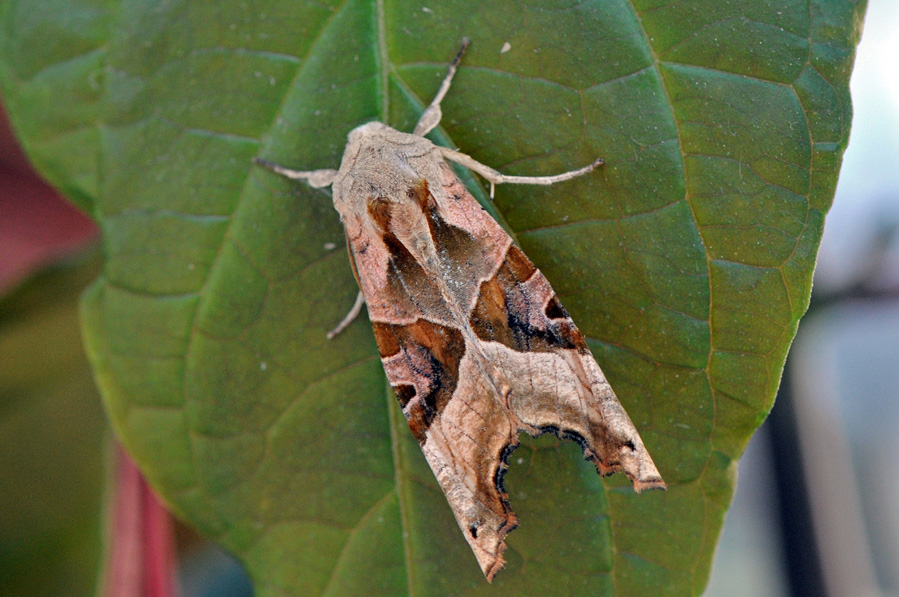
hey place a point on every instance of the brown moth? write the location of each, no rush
(473, 340)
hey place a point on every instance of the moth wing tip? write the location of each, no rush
(489, 552)
(651, 484)
(646, 476)
(497, 564)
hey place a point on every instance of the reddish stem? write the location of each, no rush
(140, 558)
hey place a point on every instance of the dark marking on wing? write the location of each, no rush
(431, 354)
(409, 282)
(517, 267)
(555, 310)
(404, 393)
(455, 246)
(604, 467)
(421, 195)
(499, 479)
(589, 453)
(379, 211)
(566, 434)
(410, 285)
(509, 313)
(510, 522)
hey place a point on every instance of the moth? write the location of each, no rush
(474, 342)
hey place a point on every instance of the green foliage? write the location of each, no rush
(52, 437)
(687, 260)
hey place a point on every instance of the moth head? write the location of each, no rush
(367, 131)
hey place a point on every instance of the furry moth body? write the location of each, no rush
(473, 340)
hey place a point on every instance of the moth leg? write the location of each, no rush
(316, 178)
(350, 317)
(496, 178)
(430, 118)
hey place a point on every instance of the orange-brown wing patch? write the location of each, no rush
(422, 362)
(508, 310)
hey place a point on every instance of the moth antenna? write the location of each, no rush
(430, 118)
(496, 178)
(451, 72)
(316, 178)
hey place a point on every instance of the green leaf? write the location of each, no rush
(687, 260)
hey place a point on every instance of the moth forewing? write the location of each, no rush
(472, 337)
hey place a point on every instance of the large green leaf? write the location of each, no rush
(687, 260)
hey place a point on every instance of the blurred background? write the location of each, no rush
(817, 504)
